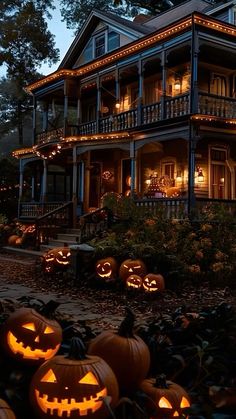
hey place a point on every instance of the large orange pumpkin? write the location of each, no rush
(130, 267)
(126, 353)
(5, 411)
(74, 386)
(165, 399)
(29, 337)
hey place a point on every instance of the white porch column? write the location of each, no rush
(133, 167)
(44, 180)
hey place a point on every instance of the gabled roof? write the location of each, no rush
(221, 6)
(177, 12)
(129, 28)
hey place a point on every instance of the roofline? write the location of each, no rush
(220, 7)
(138, 45)
(104, 16)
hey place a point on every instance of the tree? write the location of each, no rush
(22, 51)
(75, 12)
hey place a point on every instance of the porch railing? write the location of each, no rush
(167, 207)
(221, 106)
(33, 210)
(208, 104)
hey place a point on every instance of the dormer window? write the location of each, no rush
(100, 44)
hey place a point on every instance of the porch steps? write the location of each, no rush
(70, 237)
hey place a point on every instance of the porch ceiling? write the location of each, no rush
(218, 56)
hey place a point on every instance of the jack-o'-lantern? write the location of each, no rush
(60, 256)
(5, 411)
(106, 269)
(165, 398)
(153, 282)
(74, 386)
(30, 337)
(125, 352)
(134, 282)
(132, 266)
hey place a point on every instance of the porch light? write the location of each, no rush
(177, 85)
(117, 105)
(200, 176)
(179, 176)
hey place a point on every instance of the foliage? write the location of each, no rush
(180, 249)
(76, 12)
(22, 51)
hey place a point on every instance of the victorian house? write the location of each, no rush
(145, 108)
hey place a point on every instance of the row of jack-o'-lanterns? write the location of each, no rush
(79, 384)
(132, 272)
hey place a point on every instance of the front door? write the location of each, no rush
(220, 179)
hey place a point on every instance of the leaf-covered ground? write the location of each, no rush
(190, 330)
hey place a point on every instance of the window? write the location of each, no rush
(218, 84)
(99, 46)
(113, 40)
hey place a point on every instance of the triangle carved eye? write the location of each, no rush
(49, 377)
(29, 326)
(164, 403)
(48, 330)
(89, 378)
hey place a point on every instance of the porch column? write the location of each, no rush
(117, 93)
(34, 120)
(74, 186)
(163, 96)
(45, 116)
(65, 105)
(44, 181)
(79, 106)
(191, 169)
(81, 181)
(140, 93)
(132, 152)
(98, 103)
(194, 70)
(21, 180)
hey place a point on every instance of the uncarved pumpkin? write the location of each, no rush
(74, 386)
(5, 411)
(165, 398)
(126, 353)
(30, 337)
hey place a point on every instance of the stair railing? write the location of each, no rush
(48, 224)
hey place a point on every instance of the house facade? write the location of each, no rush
(145, 109)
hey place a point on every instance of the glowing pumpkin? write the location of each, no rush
(30, 337)
(73, 386)
(106, 269)
(5, 411)
(12, 239)
(165, 398)
(134, 282)
(153, 283)
(126, 353)
(59, 256)
(132, 266)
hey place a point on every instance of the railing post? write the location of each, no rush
(194, 69)
(163, 96)
(140, 93)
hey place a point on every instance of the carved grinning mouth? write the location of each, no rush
(26, 351)
(67, 405)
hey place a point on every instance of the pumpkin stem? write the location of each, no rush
(77, 349)
(127, 325)
(49, 309)
(161, 381)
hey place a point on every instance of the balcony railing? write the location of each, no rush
(208, 104)
(221, 106)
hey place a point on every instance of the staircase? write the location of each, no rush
(69, 237)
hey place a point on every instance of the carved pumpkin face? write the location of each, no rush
(134, 282)
(30, 337)
(153, 283)
(169, 401)
(59, 256)
(106, 269)
(64, 387)
(132, 266)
